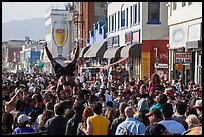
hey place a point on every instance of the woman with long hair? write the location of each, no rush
(82, 127)
(46, 115)
(155, 81)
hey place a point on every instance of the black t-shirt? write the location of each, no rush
(60, 70)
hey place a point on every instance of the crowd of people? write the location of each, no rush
(64, 104)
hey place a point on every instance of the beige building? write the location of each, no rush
(185, 40)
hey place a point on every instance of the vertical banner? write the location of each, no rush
(145, 65)
(60, 36)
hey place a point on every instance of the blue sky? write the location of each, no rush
(26, 10)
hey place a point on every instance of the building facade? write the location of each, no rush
(89, 13)
(185, 44)
(141, 29)
(11, 54)
(30, 55)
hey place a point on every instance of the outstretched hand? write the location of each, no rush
(44, 44)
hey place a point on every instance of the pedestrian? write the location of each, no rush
(154, 115)
(131, 125)
(57, 124)
(119, 119)
(161, 100)
(157, 129)
(198, 107)
(97, 124)
(72, 124)
(181, 108)
(192, 120)
(155, 81)
(7, 121)
(23, 128)
(82, 127)
(173, 126)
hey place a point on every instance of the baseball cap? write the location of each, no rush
(198, 103)
(121, 88)
(102, 87)
(23, 118)
(154, 111)
(155, 129)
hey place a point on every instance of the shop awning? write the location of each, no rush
(112, 64)
(96, 50)
(131, 51)
(83, 51)
(113, 52)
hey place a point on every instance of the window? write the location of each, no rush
(183, 4)
(174, 5)
(189, 3)
(153, 12)
(118, 20)
(130, 15)
(115, 22)
(109, 23)
(123, 18)
(112, 18)
(127, 17)
(135, 14)
(138, 12)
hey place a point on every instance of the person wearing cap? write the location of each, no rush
(198, 106)
(103, 91)
(142, 105)
(154, 115)
(172, 125)
(130, 124)
(22, 128)
(157, 129)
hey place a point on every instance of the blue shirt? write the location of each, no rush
(134, 126)
(157, 105)
(20, 130)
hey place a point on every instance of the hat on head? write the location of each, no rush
(23, 118)
(198, 103)
(155, 129)
(121, 88)
(154, 111)
(34, 95)
(102, 87)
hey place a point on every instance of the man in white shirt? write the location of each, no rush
(103, 91)
(172, 126)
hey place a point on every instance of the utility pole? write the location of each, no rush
(156, 59)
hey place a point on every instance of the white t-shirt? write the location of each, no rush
(173, 126)
(108, 97)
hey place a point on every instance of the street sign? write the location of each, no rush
(178, 66)
(183, 58)
(157, 61)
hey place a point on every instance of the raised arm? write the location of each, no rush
(77, 52)
(49, 55)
